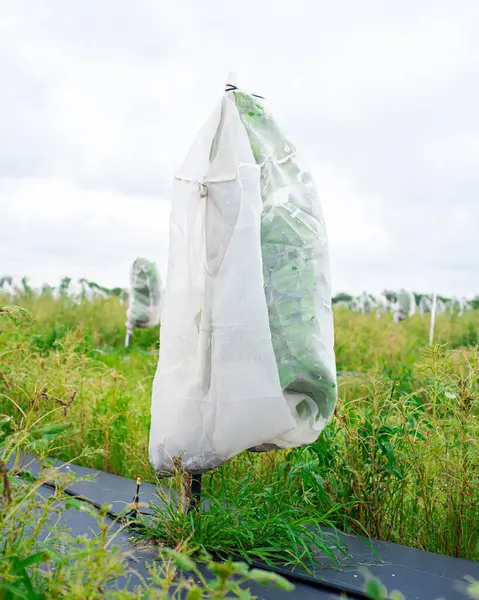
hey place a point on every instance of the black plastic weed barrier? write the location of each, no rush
(418, 575)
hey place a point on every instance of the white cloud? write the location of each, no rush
(100, 102)
(57, 230)
(383, 69)
(454, 157)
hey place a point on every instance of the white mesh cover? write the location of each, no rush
(425, 305)
(382, 305)
(457, 306)
(405, 306)
(246, 344)
(440, 307)
(144, 306)
(365, 303)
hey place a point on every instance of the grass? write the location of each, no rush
(245, 521)
(399, 461)
(40, 559)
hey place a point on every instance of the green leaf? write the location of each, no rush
(38, 557)
(241, 569)
(375, 590)
(195, 594)
(223, 570)
(268, 578)
(74, 503)
(473, 589)
(245, 595)
(13, 589)
(105, 509)
(182, 561)
(52, 429)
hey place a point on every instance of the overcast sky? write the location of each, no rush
(101, 99)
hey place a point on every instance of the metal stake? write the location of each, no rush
(195, 492)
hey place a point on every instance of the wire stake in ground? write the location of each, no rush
(136, 500)
(195, 499)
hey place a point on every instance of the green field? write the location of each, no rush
(399, 461)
